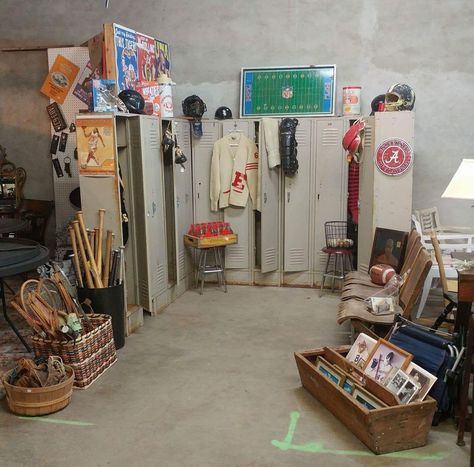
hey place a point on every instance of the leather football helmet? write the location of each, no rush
(399, 97)
(223, 113)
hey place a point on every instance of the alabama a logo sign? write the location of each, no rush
(394, 157)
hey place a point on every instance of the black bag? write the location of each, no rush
(437, 354)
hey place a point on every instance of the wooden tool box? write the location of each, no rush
(388, 429)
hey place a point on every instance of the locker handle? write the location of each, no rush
(265, 198)
(288, 193)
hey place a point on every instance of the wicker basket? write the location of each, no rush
(89, 356)
(38, 401)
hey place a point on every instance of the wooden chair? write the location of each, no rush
(37, 213)
(363, 290)
(450, 287)
(357, 311)
(429, 221)
(359, 277)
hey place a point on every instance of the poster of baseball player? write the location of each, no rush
(95, 146)
(146, 58)
(126, 56)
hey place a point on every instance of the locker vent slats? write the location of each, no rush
(331, 137)
(296, 256)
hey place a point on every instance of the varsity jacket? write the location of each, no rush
(234, 172)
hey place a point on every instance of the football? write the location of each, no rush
(381, 273)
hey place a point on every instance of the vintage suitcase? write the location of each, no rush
(388, 429)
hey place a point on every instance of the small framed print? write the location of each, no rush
(366, 399)
(397, 382)
(385, 359)
(408, 392)
(422, 378)
(361, 349)
(348, 385)
(328, 370)
(382, 305)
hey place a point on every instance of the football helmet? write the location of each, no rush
(194, 107)
(399, 97)
(352, 141)
(374, 105)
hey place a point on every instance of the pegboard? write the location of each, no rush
(64, 185)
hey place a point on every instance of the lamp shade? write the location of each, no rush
(461, 185)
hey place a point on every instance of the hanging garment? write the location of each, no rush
(353, 188)
(234, 172)
(272, 142)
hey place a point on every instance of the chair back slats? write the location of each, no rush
(414, 283)
(414, 246)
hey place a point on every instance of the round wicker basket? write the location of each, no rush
(39, 401)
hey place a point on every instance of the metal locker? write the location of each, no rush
(238, 256)
(150, 226)
(390, 197)
(183, 186)
(270, 214)
(297, 204)
(201, 156)
(330, 178)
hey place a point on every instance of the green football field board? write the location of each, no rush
(282, 91)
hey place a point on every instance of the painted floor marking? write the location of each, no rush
(56, 420)
(316, 447)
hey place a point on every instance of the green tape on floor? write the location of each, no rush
(316, 447)
(56, 420)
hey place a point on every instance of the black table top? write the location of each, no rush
(9, 224)
(20, 255)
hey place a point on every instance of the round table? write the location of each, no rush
(17, 256)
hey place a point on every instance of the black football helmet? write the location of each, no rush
(223, 113)
(133, 100)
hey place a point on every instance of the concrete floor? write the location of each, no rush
(212, 382)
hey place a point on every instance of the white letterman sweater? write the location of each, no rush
(234, 172)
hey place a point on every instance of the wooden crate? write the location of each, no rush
(389, 429)
(209, 242)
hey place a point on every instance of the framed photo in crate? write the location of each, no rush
(298, 91)
(328, 370)
(422, 378)
(361, 349)
(389, 248)
(385, 360)
(369, 401)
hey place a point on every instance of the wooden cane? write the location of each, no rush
(93, 264)
(108, 252)
(80, 243)
(99, 235)
(75, 258)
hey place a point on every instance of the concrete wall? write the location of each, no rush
(374, 43)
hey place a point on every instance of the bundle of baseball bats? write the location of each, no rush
(95, 266)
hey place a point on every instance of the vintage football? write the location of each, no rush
(381, 273)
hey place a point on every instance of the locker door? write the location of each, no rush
(148, 186)
(297, 204)
(202, 154)
(183, 200)
(238, 256)
(270, 218)
(330, 180)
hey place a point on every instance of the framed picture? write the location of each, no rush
(361, 349)
(328, 370)
(408, 392)
(422, 378)
(366, 399)
(389, 248)
(382, 305)
(385, 359)
(348, 385)
(395, 383)
(298, 91)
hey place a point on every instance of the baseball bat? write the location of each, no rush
(75, 258)
(108, 252)
(100, 234)
(80, 242)
(97, 279)
(91, 238)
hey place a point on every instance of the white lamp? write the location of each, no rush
(461, 185)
